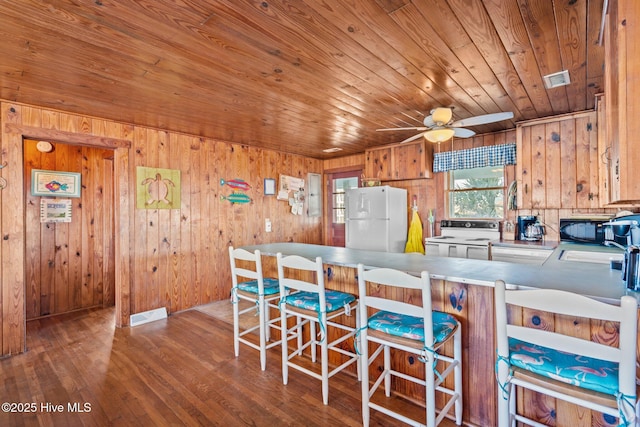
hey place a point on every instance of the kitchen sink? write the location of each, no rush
(591, 256)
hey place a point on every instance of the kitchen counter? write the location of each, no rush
(590, 279)
(540, 244)
(464, 288)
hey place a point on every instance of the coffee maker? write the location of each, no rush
(529, 228)
(622, 231)
(631, 268)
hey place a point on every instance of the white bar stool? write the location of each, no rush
(388, 323)
(309, 303)
(598, 376)
(263, 293)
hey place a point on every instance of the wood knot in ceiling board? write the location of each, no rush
(351, 29)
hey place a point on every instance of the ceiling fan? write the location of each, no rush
(438, 126)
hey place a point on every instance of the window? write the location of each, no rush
(476, 192)
(340, 186)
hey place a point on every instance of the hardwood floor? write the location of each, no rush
(80, 370)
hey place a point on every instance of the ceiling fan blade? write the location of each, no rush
(413, 138)
(428, 121)
(483, 119)
(417, 129)
(463, 133)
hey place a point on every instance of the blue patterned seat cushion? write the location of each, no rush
(413, 327)
(589, 373)
(271, 286)
(310, 300)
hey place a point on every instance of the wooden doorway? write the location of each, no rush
(337, 184)
(17, 128)
(69, 261)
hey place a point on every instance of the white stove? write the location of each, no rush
(463, 239)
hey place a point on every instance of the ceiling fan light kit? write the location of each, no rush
(439, 127)
(441, 116)
(439, 135)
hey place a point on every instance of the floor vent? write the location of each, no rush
(148, 316)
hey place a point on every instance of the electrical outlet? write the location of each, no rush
(267, 225)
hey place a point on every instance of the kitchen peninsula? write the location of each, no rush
(464, 287)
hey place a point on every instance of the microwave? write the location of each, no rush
(583, 230)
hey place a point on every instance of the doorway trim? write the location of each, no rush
(13, 297)
(329, 175)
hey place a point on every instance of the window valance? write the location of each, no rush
(491, 155)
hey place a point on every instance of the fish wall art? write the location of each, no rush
(237, 198)
(236, 184)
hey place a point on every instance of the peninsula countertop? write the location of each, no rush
(590, 279)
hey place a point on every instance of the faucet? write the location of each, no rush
(616, 244)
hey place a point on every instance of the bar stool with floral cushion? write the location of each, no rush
(598, 376)
(262, 293)
(324, 312)
(389, 323)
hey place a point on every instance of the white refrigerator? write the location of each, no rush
(376, 218)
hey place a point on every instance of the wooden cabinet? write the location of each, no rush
(622, 84)
(377, 163)
(558, 163)
(400, 161)
(603, 152)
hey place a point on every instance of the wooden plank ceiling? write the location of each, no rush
(300, 75)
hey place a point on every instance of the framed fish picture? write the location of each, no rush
(55, 183)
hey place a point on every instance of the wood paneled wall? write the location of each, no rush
(173, 258)
(69, 264)
(559, 169)
(430, 192)
(557, 161)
